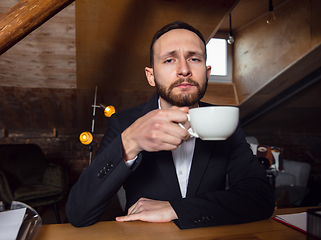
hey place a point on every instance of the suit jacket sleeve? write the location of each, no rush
(250, 196)
(100, 181)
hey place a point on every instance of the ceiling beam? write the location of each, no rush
(24, 17)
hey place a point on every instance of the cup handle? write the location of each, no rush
(193, 133)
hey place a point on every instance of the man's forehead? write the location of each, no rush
(179, 37)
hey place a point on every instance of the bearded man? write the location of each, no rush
(167, 174)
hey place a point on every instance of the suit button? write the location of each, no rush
(197, 220)
(100, 174)
(109, 165)
(205, 219)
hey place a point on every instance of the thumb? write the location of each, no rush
(185, 109)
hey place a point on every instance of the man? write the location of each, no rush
(168, 175)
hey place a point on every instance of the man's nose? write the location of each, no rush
(184, 69)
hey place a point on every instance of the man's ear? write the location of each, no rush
(150, 76)
(208, 71)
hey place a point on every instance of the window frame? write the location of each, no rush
(228, 78)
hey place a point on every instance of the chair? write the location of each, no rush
(27, 176)
(291, 183)
(294, 173)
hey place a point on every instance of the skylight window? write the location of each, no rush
(216, 56)
(219, 57)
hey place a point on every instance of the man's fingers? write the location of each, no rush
(184, 109)
(156, 131)
(135, 207)
(150, 211)
(132, 217)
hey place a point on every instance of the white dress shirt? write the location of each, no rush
(183, 156)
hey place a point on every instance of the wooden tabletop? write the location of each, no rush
(261, 230)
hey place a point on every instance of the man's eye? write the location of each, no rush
(195, 60)
(168, 61)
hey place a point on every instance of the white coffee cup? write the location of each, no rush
(213, 122)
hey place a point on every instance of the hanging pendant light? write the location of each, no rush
(230, 39)
(271, 16)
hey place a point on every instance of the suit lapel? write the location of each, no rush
(202, 154)
(165, 163)
(152, 104)
(164, 159)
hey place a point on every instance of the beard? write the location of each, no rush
(184, 98)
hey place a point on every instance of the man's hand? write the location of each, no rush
(156, 131)
(149, 211)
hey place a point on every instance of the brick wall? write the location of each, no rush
(66, 151)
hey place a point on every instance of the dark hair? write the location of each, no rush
(169, 27)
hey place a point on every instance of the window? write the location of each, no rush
(219, 56)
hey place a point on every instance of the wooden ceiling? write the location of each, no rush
(300, 113)
(122, 30)
(47, 80)
(46, 58)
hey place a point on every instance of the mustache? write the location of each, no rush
(181, 80)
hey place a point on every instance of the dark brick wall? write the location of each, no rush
(66, 151)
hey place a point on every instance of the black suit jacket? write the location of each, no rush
(249, 196)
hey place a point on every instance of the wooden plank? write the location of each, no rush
(270, 58)
(46, 58)
(297, 71)
(31, 133)
(24, 17)
(221, 94)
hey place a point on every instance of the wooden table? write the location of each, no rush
(265, 229)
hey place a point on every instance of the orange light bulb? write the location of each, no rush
(109, 110)
(86, 138)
